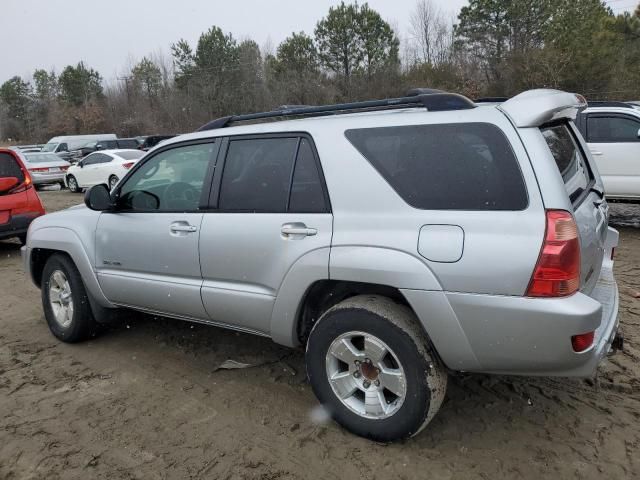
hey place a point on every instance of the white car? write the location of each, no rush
(106, 166)
(612, 133)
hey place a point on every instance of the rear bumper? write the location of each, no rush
(523, 336)
(47, 179)
(17, 225)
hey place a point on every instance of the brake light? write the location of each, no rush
(64, 168)
(38, 170)
(582, 342)
(128, 165)
(557, 273)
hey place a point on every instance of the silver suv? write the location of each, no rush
(397, 241)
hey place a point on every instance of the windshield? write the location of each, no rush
(133, 155)
(49, 147)
(42, 157)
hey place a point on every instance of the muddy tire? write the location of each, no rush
(372, 368)
(64, 300)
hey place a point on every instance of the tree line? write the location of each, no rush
(492, 48)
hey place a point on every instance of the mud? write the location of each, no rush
(145, 401)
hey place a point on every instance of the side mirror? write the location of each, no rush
(98, 198)
(7, 183)
(81, 164)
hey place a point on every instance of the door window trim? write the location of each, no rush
(214, 198)
(610, 115)
(206, 185)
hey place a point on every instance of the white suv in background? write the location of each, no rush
(106, 166)
(612, 132)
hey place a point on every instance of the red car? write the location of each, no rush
(19, 202)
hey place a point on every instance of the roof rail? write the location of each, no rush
(491, 99)
(607, 103)
(433, 102)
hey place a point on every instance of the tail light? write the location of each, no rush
(64, 168)
(38, 170)
(128, 165)
(582, 342)
(557, 273)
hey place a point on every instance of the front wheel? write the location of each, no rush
(372, 368)
(65, 302)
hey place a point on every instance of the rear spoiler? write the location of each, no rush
(534, 108)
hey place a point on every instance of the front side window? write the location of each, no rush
(465, 166)
(612, 129)
(257, 175)
(569, 159)
(170, 181)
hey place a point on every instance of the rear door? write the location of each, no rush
(614, 142)
(269, 209)
(589, 206)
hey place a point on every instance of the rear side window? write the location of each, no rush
(10, 168)
(257, 174)
(463, 166)
(307, 195)
(569, 159)
(603, 129)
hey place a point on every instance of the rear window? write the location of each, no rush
(131, 155)
(9, 167)
(462, 166)
(42, 157)
(127, 143)
(569, 159)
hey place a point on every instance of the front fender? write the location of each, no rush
(66, 241)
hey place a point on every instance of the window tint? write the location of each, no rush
(468, 166)
(127, 143)
(9, 167)
(170, 181)
(96, 158)
(307, 195)
(257, 174)
(612, 129)
(569, 158)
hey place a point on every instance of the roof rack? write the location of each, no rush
(433, 102)
(607, 103)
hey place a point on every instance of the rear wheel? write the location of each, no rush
(73, 184)
(372, 368)
(65, 302)
(113, 181)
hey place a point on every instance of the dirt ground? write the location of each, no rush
(146, 401)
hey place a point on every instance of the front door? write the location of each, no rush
(615, 145)
(147, 250)
(270, 210)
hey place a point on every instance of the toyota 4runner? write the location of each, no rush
(396, 241)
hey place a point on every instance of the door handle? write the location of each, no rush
(297, 229)
(596, 152)
(181, 227)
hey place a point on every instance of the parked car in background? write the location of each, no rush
(107, 166)
(64, 145)
(29, 148)
(612, 132)
(151, 141)
(428, 235)
(45, 168)
(19, 202)
(98, 145)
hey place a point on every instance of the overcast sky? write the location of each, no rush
(105, 34)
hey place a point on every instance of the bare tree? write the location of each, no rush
(431, 33)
